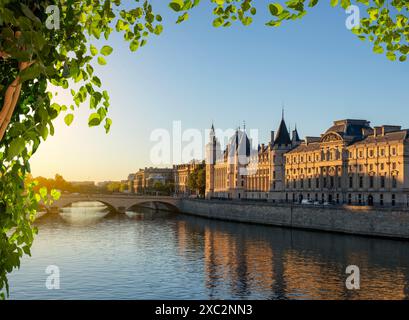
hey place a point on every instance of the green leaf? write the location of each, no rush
(218, 22)
(275, 9)
(68, 119)
(108, 123)
(94, 120)
(334, 3)
(183, 17)
(176, 5)
(94, 50)
(55, 194)
(134, 45)
(102, 61)
(391, 55)
(378, 49)
(17, 146)
(106, 50)
(43, 192)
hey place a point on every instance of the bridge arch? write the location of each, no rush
(155, 204)
(119, 203)
(110, 206)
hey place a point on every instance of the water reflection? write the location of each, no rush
(159, 255)
(274, 263)
(84, 213)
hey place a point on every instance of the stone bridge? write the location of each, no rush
(119, 203)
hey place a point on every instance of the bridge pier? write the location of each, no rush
(121, 209)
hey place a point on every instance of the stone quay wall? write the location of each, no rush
(360, 220)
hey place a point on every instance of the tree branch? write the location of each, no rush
(10, 99)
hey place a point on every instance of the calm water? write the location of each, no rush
(159, 255)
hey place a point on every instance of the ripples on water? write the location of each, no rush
(161, 255)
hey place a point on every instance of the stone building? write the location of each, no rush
(260, 176)
(351, 163)
(145, 179)
(181, 175)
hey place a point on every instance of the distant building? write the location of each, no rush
(146, 179)
(351, 163)
(130, 181)
(181, 176)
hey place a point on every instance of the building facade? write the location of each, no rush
(181, 175)
(146, 179)
(351, 163)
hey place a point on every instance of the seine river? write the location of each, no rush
(160, 255)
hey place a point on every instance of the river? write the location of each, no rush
(162, 255)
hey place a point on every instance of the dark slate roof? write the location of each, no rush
(349, 127)
(296, 137)
(283, 136)
(389, 136)
(306, 147)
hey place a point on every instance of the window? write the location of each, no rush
(382, 166)
(302, 183)
(349, 198)
(393, 200)
(394, 182)
(371, 167)
(371, 153)
(382, 151)
(371, 182)
(382, 182)
(351, 182)
(359, 198)
(360, 154)
(361, 182)
(309, 183)
(331, 181)
(381, 199)
(317, 182)
(394, 165)
(393, 151)
(324, 182)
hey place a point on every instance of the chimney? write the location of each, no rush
(272, 137)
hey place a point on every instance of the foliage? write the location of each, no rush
(385, 23)
(116, 186)
(33, 56)
(196, 180)
(166, 188)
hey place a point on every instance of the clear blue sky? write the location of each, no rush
(196, 73)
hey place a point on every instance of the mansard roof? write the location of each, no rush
(399, 135)
(283, 137)
(388, 136)
(314, 146)
(349, 127)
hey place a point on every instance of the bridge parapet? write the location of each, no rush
(120, 203)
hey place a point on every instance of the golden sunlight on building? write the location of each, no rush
(351, 163)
